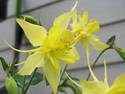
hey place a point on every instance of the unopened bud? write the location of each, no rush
(11, 85)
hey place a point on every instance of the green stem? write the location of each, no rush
(94, 64)
(18, 8)
(62, 73)
(23, 85)
(30, 81)
(65, 67)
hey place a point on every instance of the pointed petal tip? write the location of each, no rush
(75, 5)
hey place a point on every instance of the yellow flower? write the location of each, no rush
(83, 29)
(97, 87)
(52, 48)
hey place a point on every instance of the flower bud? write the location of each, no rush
(11, 85)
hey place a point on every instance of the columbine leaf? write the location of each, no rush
(38, 77)
(3, 63)
(121, 52)
(19, 79)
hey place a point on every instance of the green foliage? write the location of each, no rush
(3, 63)
(38, 77)
(19, 79)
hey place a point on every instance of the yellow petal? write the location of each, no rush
(93, 26)
(35, 33)
(118, 86)
(70, 56)
(33, 61)
(66, 37)
(75, 25)
(120, 89)
(85, 43)
(53, 37)
(53, 75)
(85, 18)
(54, 62)
(97, 44)
(120, 80)
(93, 87)
(63, 20)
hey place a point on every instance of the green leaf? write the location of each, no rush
(30, 19)
(38, 77)
(19, 79)
(111, 41)
(4, 64)
(121, 52)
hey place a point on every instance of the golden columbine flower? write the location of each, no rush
(97, 87)
(51, 48)
(84, 29)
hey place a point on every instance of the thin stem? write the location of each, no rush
(94, 64)
(65, 67)
(30, 81)
(18, 7)
(23, 85)
(62, 73)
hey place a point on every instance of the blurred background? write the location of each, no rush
(110, 14)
